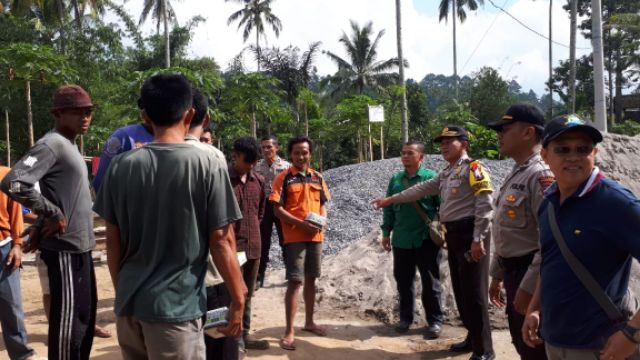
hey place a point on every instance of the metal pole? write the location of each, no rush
(381, 141)
(598, 66)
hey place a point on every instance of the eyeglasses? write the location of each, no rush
(580, 150)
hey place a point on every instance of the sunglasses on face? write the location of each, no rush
(580, 150)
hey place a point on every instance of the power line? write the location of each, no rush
(482, 39)
(529, 28)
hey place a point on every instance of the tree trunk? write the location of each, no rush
(61, 19)
(551, 58)
(254, 127)
(455, 50)
(27, 93)
(6, 127)
(81, 140)
(167, 50)
(320, 158)
(76, 12)
(572, 57)
(306, 121)
(610, 80)
(405, 122)
(258, 49)
(618, 100)
(359, 146)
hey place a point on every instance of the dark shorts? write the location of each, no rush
(302, 260)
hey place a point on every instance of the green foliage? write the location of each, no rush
(489, 96)
(483, 141)
(629, 127)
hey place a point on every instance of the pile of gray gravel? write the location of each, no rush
(353, 186)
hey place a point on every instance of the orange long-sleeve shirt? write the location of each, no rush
(11, 223)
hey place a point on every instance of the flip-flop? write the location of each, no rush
(287, 345)
(316, 330)
(102, 332)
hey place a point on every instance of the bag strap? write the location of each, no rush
(423, 215)
(582, 273)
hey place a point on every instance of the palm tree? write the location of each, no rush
(457, 9)
(405, 121)
(361, 71)
(572, 56)
(550, 58)
(161, 11)
(255, 15)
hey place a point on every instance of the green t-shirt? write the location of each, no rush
(165, 198)
(409, 230)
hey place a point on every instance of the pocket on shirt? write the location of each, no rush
(314, 192)
(513, 212)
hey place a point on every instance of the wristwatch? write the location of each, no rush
(631, 333)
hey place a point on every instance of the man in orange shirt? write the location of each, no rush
(298, 194)
(11, 315)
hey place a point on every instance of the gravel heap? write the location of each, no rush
(353, 186)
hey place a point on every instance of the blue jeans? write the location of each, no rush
(11, 315)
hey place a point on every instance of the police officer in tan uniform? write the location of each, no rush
(466, 211)
(516, 260)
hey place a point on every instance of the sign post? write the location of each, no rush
(376, 115)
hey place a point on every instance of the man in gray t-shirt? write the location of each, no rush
(64, 229)
(166, 204)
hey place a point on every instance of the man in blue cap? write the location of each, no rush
(573, 323)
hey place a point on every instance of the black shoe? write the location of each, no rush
(433, 331)
(403, 326)
(486, 356)
(462, 346)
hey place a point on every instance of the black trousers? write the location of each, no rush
(225, 348)
(72, 282)
(427, 260)
(470, 282)
(514, 270)
(266, 228)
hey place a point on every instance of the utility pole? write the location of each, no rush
(405, 120)
(572, 57)
(598, 66)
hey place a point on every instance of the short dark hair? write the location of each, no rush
(166, 97)
(247, 146)
(200, 105)
(299, 140)
(273, 138)
(207, 130)
(417, 143)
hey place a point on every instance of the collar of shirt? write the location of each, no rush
(294, 171)
(463, 158)
(421, 172)
(191, 137)
(589, 184)
(234, 174)
(534, 158)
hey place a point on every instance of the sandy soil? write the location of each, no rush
(352, 335)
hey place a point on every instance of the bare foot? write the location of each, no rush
(313, 328)
(288, 342)
(102, 332)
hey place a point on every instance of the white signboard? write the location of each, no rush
(376, 113)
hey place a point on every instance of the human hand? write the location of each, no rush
(310, 228)
(521, 302)
(386, 243)
(618, 347)
(530, 329)
(14, 259)
(477, 250)
(495, 293)
(381, 202)
(234, 327)
(53, 226)
(34, 239)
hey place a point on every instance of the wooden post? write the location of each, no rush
(370, 143)
(6, 126)
(381, 141)
(27, 93)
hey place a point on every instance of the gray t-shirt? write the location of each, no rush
(165, 198)
(55, 162)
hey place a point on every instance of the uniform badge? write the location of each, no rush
(511, 214)
(577, 232)
(113, 146)
(479, 178)
(477, 171)
(545, 182)
(511, 198)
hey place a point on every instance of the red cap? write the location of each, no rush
(70, 97)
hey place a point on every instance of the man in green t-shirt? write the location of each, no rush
(412, 247)
(167, 205)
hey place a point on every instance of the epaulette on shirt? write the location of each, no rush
(479, 178)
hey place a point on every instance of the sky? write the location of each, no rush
(498, 40)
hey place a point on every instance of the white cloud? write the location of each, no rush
(427, 42)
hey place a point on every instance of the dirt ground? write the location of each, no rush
(351, 335)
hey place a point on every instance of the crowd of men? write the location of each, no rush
(187, 233)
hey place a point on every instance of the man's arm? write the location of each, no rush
(226, 261)
(388, 219)
(531, 325)
(286, 216)
(14, 259)
(116, 144)
(114, 254)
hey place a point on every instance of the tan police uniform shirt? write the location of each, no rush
(465, 191)
(515, 225)
(269, 172)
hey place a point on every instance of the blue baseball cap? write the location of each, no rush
(572, 122)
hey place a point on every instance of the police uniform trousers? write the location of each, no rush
(470, 282)
(514, 270)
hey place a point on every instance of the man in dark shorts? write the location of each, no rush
(298, 193)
